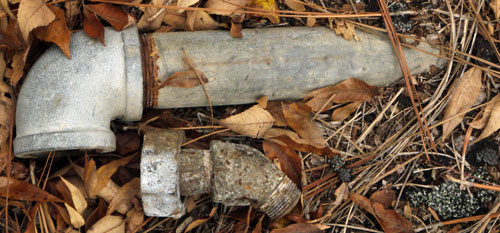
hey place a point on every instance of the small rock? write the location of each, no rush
(484, 151)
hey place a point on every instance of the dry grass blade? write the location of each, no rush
(253, 122)
(467, 90)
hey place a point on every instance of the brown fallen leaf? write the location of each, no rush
(112, 14)
(292, 139)
(299, 228)
(17, 64)
(340, 194)
(76, 218)
(495, 7)
(345, 29)
(200, 221)
(295, 5)
(466, 91)
(63, 213)
(349, 90)
(153, 16)
(126, 193)
(262, 101)
(493, 120)
(75, 195)
(389, 220)
(24, 191)
(290, 162)
(185, 3)
(92, 26)
(73, 12)
(57, 31)
(269, 7)
(200, 20)
(253, 122)
(384, 197)
(98, 180)
(480, 123)
(298, 117)
(225, 7)
(343, 112)
(235, 30)
(175, 19)
(10, 40)
(310, 22)
(184, 79)
(274, 107)
(6, 108)
(108, 224)
(32, 14)
(135, 217)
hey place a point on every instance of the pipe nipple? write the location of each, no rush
(282, 200)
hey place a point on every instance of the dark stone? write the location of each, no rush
(483, 152)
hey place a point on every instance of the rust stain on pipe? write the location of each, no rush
(149, 54)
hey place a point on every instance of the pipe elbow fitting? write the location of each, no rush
(69, 104)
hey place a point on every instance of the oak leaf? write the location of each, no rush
(253, 122)
(225, 7)
(22, 190)
(108, 224)
(493, 119)
(184, 79)
(349, 90)
(298, 117)
(92, 26)
(33, 14)
(467, 89)
(56, 32)
(115, 16)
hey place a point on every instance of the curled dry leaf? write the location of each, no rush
(184, 79)
(274, 107)
(298, 117)
(76, 218)
(340, 194)
(134, 219)
(349, 90)
(343, 112)
(200, 20)
(198, 222)
(112, 14)
(92, 26)
(480, 123)
(467, 89)
(292, 139)
(493, 120)
(126, 193)
(108, 224)
(235, 30)
(56, 32)
(32, 14)
(290, 162)
(295, 5)
(390, 220)
(346, 29)
(6, 108)
(384, 197)
(299, 228)
(175, 19)
(225, 7)
(102, 176)
(253, 122)
(24, 191)
(152, 17)
(77, 198)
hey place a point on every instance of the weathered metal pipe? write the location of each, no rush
(68, 104)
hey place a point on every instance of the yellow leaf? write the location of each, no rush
(75, 217)
(295, 5)
(78, 198)
(495, 6)
(269, 5)
(466, 92)
(33, 14)
(253, 122)
(108, 224)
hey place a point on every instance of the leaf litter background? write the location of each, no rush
(416, 134)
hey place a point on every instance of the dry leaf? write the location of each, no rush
(390, 220)
(153, 16)
(92, 26)
(340, 194)
(185, 3)
(269, 6)
(346, 29)
(184, 79)
(108, 224)
(76, 218)
(198, 222)
(481, 122)
(73, 12)
(384, 197)
(298, 117)
(465, 94)
(235, 30)
(228, 7)
(290, 162)
(24, 191)
(200, 20)
(310, 22)
(6, 108)
(493, 121)
(126, 193)
(291, 139)
(262, 101)
(33, 14)
(295, 5)
(134, 219)
(343, 112)
(56, 32)
(17, 64)
(103, 175)
(72, 195)
(274, 107)
(10, 40)
(495, 6)
(177, 20)
(258, 227)
(112, 14)
(349, 90)
(63, 213)
(299, 228)
(253, 122)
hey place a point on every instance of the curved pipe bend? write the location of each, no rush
(68, 104)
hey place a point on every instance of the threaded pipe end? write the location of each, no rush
(282, 199)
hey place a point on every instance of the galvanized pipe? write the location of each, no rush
(68, 104)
